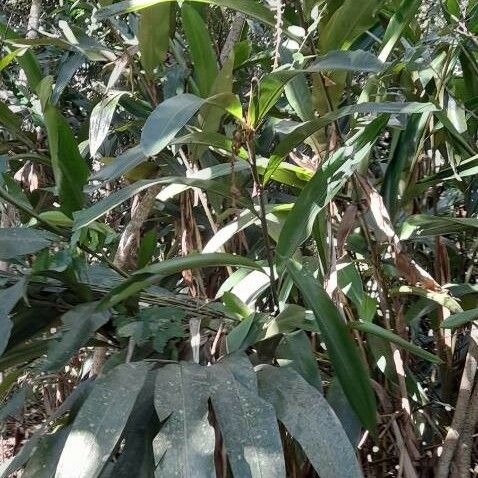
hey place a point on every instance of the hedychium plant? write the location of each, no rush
(238, 238)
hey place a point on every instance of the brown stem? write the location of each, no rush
(461, 410)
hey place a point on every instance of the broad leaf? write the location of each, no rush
(462, 318)
(153, 35)
(8, 300)
(310, 420)
(18, 241)
(69, 168)
(100, 422)
(247, 422)
(184, 445)
(79, 324)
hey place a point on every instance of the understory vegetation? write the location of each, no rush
(238, 238)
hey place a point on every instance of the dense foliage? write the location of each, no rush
(238, 238)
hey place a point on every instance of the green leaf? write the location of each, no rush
(13, 123)
(462, 318)
(173, 114)
(100, 119)
(100, 422)
(389, 336)
(65, 74)
(324, 185)
(296, 351)
(272, 85)
(137, 458)
(69, 168)
(184, 445)
(308, 128)
(145, 277)
(194, 261)
(120, 165)
(423, 225)
(348, 21)
(247, 422)
(8, 300)
(310, 420)
(27, 60)
(341, 348)
(200, 48)
(87, 216)
(441, 298)
(400, 20)
(45, 459)
(78, 325)
(251, 8)
(18, 241)
(153, 36)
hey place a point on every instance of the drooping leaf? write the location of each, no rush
(45, 460)
(87, 216)
(318, 431)
(308, 128)
(295, 351)
(370, 328)
(100, 119)
(347, 22)
(324, 185)
(459, 319)
(251, 8)
(18, 241)
(343, 352)
(100, 422)
(8, 299)
(247, 422)
(185, 443)
(423, 225)
(173, 114)
(272, 85)
(78, 326)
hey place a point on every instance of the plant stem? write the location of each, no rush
(262, 217)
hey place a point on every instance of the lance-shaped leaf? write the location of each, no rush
(247, 422)
(341, 348)
(69, 168)
(153, 36)
(44, 461)
(202, 53)
(184, 445)
(251, 8)
(310, 420)
(272, 85)
(8, 299)
(308, 128)
(462, 318)
(100, 119)
(78, 326)
(18, 241)
(370, 328)
(324, 185)
(100, 422)
(173, 114)
(87, 216)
